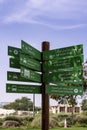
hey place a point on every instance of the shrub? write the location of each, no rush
(71, 120)
(84, 113)
(61, 123)
(26, 123)
(82, 120)
(80, 125)
(1, 122)
(62, 116)
(36, 123)
(9, 123)
(13, 118)
(53, 122)
(30, 119)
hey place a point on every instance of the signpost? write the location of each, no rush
(28, 49)
(45, 96)
(16, 76)
(28, 62)
(14, 63)
(13, 51)
(65, 90)
(20, 88)
(63, 63)
(30, 75)
(61, 67)
(63, 52)
(72, 76)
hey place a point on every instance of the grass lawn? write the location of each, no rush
(72, 128)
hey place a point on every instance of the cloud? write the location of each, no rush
(50, 13)
(64, 27)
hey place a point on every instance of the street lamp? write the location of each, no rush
(33, 105)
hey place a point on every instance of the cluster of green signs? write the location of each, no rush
(63, 69)
(27, 60)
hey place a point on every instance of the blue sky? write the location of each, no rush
(61, 22)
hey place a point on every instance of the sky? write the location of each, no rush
(61, 22)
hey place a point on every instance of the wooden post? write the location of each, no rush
(45, 97)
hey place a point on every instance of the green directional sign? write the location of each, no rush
(15, 63)
(30, 75)
(16, 76)
(58, 90)
(13, 51)
(26, 61)
(63, 63)
(20, 88)
(28, 49)
(64, 76)
(63, 52)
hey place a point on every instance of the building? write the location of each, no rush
(4, 112)
(65, 108)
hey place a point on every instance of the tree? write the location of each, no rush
(20, 104)
(84, 105)
(71, 100)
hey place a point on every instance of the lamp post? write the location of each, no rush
(33, 105)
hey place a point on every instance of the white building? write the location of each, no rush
(65, 109)
(4, 112)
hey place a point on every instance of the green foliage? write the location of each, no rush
(84, 113)
(27, 123)
(20, 104)
(83, 120)
(69, 120)
(37, 109)
(73, 128)
(84, 105)
(62, 116)
(9, 123)
(13, 118)
(30, 119)
(53, 123)
(36, 123)
(80, 125)
(1, 122)
(72, 101)
(65, 99)
(23, 104)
